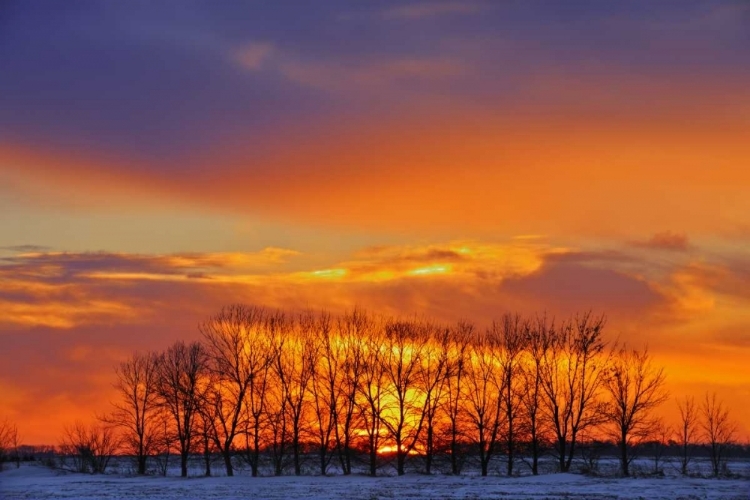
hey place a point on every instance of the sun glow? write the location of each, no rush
(436, 269)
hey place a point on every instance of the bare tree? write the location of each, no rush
(90, 447)
(237, 354)
(402, 361)
(718, 431)
(509, 337)
(658, 443)
(324, 389)
(163, 442)
(539, 340)
(483, 398)
(183, 370)
(686, 431)
(572, 374)
(8, 442)
(635, 388)
(371, 388)
(432, 383)
(275, 398)
(458, 352)
(348, 348)
(137, 411)
(256, 420)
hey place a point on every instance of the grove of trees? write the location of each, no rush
(288, 388)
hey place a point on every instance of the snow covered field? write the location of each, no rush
(36, 482)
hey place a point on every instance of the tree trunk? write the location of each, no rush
(297, 463)
(228, 462)
(428, 451)
(183, 464)
(454, 455)
(510, 457)
(624, 455)
(561, 449)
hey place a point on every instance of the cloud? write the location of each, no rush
(666, 240)
(95, 308)
(252, 56)
(25, 248)
(370, 76)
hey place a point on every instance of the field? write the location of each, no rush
(39, 483)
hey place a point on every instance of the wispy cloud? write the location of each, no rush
(666, 240)
(253, 55)
(375, 75)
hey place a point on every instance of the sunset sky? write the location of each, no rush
(451, 159)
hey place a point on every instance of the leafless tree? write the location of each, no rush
(686, 431)
(658, 443)
(256, 419)
(183, 371)
(8, 441)
(404, 343)
(718, 431)
(635, 387)
(572, 374)
(276, 413)
(539, 340)
(137, 411)
(483, 398)
(163, 442)
(371, 400)
(348, 349)
(237, 354)
(89, 447)
(509, 337)
(432, 383)
(324, 389)
(458, 352)
(295, 366)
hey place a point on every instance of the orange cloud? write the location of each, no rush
(112, 304)
(449, 172)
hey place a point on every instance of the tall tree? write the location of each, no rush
(432, 384)
(571, 377)
(538, 342)
(183, 371)
(295, 366)
(371, 388)
(237, 354)
(635, 389)
(352, 328)
(324, 390)
(509, 337)
(137, 411)
(458, 350)
(483, 398)
(404, 343)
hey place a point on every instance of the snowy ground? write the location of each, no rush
(36, 482)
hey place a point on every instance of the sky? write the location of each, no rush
(448, 159)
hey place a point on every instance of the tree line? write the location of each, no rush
(269, 383)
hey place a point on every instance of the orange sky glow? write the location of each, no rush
(480, 173)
